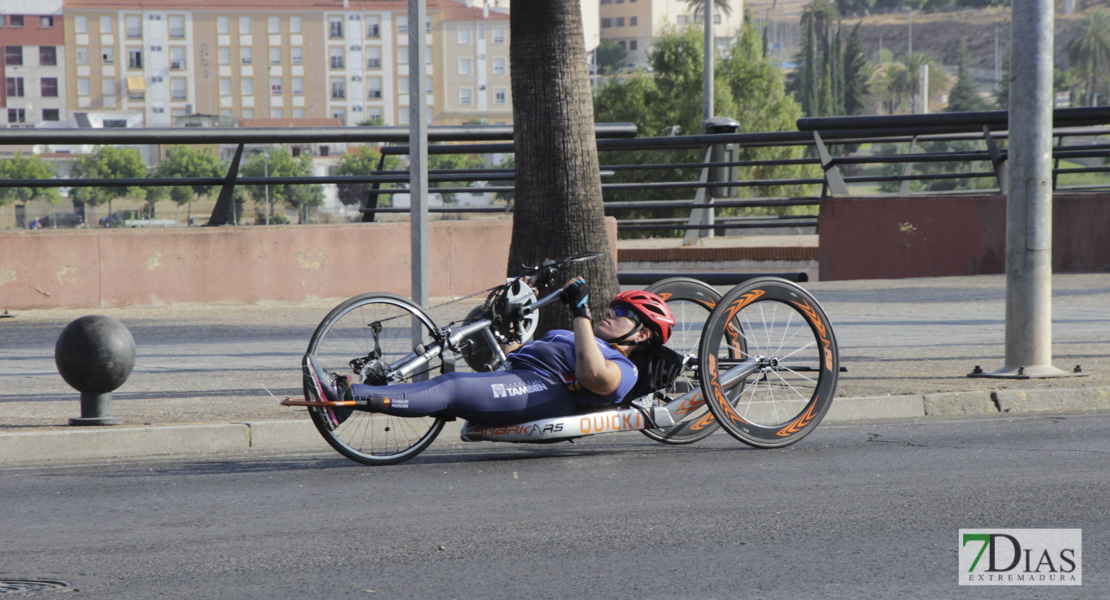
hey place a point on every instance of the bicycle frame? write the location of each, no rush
(633, 418)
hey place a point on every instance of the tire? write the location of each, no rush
(344, 345)
(691, 301)
(784, 329)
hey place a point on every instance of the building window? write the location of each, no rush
(499, 66)
(248, 113)
(632, 21)
(82, 55)
(133, 26)
(48, 56)
(275, 55)
(620, 21)
(107, 25)
(632, 45)
(373, 27)
(277, 113)
(296, 55)
(622, 45)
(109, 55)
(338, 88)
(499, 96)
(81, 24)
(606, 22)
(336, 58)
(223, 54)
(246, 55)
(375, 92)
(51, 114)
(464, 35)
(402, 24)
(373, 57)
(298, 113)
(225, 86)
(499, 35)
(466, 96)
(49, 87)
(177, 58)
(298, 86)
(274, 24)
(340, 114)
(223, 25)
(13, 55)
(84, 88)
(46, 22)
(275, 86)
(465, 66)
(108, 86)
(16, 20)
(247, 84)
(294, 25)
(335, 27)
(14, 87)
(244, 25)
(177, 27)
(134, 58)
(17, 115)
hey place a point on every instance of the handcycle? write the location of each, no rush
(763, 354)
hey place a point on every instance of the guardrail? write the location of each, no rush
(944, 162)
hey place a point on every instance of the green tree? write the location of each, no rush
(609, 56)
(964, 95)
(856, 74)
(698, 6)
(187, 161)
(748, 85)
(372, 122)
(108, 162)
(363, 161)
(1089, 51)
(31, 167)
(449, 163)
(278, 162)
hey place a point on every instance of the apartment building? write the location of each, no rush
(33, 66)
(280, 59)
(633, 24)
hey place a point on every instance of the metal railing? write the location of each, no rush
(831, 147)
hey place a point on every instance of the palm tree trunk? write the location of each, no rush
(557, 192)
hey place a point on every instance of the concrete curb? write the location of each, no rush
(104, 443)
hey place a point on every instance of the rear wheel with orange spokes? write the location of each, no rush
(769, 362)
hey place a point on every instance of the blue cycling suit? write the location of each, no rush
(539, 384)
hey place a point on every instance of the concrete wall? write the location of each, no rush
(892, 238)
(119, 267)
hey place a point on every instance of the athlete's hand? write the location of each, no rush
(576, 294)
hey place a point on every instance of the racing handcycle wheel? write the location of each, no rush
(769, 362)
(361, 338)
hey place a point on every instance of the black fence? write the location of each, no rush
(836, 156)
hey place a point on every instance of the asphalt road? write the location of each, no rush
(853, 511)
(211, 363)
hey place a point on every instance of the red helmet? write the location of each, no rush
(652, 310)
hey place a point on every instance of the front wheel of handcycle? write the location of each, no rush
(361, 338)
(769, 362)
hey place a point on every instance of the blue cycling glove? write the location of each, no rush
(577, 296)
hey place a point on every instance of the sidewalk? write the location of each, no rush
(199, 381)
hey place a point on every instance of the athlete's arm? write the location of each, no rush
(593, 371)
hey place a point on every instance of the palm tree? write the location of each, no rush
(1089, 50)
(937, 78)
(557, 192)
(698, 6)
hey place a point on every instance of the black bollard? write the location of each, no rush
(95, 354)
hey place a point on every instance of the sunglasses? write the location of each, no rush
(622, 311)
